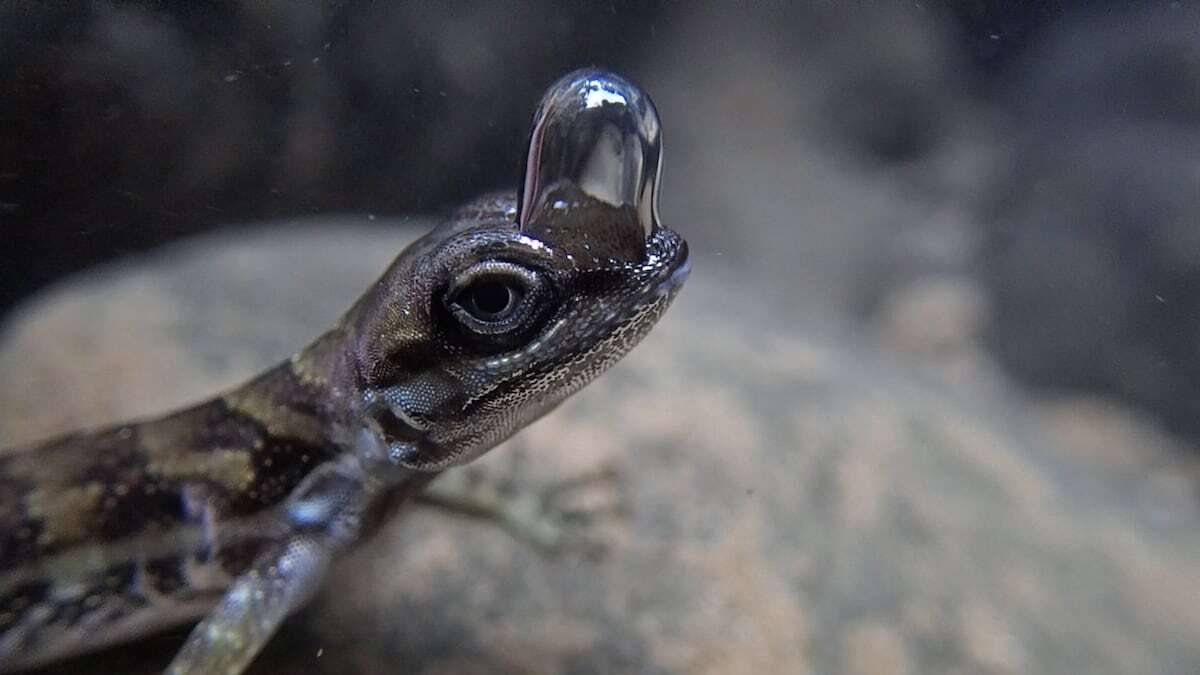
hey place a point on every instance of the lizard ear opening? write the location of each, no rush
(592, 170)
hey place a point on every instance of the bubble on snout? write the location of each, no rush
(592, 170)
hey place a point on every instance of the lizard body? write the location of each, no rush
(233, 508)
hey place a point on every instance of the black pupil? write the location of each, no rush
(491, 298)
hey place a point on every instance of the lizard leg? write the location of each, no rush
(552, 518)
(278, 583)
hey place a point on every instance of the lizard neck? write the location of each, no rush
(316, 397)
(325, 383)
(324, 373)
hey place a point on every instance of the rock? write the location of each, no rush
(936, 323)
(796, 503)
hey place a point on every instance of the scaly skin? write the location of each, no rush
(233, 509)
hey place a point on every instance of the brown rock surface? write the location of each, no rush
(796, 504)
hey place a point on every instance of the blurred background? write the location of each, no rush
(1001, 198)
(976, 182)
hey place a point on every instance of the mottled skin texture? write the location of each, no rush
(113, 533)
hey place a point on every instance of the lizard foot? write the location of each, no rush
(561, 517)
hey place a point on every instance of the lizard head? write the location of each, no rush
(512, 305)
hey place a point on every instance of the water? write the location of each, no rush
(929, 400)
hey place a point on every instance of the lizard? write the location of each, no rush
(230, 511)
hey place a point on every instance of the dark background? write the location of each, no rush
(1024, 173)
(129, 124)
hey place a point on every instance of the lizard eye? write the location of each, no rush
(497, 298)
(490, 300)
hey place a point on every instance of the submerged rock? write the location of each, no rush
(795, 502)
